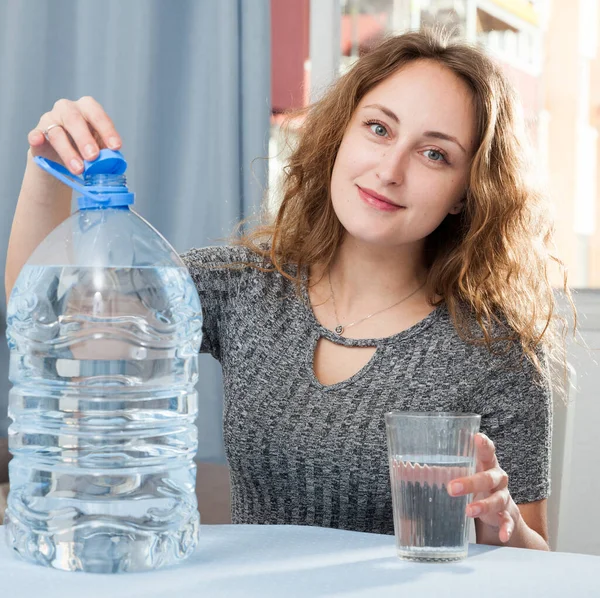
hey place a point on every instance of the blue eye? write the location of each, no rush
(432, 151)
(379, 130)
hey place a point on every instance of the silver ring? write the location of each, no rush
(48, 129)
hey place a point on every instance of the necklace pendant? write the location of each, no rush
(339, 330)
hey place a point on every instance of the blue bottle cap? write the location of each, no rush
(108, 162)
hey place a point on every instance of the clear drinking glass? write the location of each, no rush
(427, 451)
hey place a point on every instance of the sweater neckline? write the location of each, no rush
(401, 336)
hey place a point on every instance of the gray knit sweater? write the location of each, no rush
(307, 454)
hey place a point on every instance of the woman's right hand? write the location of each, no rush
(84, 129)
(44, 202)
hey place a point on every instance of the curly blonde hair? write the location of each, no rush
(492, 259)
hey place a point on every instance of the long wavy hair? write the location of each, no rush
(493, 258)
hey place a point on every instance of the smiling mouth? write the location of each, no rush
(377, 201)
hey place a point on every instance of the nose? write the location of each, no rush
(391, 169)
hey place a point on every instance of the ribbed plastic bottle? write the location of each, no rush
(104, 326)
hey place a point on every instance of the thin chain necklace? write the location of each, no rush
(341, 328)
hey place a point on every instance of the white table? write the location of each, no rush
(289, 561)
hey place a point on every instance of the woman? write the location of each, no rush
(406, 269)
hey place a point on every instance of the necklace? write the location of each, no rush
(340, 328)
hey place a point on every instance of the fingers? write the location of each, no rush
(486, 452)
(100, 122)
(494, 504)
(59, 141)
(84, 129)
(507, 526)
(484, 481)
(77, 127)
(36, 137)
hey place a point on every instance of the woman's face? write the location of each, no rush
(403, 164)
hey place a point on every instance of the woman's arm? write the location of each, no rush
(512, 479)
(45, 202)
(499, 521)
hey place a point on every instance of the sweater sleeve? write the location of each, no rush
(516, 414)
(218, 273)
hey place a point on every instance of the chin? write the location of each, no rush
(371, 237)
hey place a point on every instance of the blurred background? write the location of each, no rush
(199, 90)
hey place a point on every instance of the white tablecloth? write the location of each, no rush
(288, 561)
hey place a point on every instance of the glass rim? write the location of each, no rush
(431, 414)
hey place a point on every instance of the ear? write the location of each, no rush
(457, 208)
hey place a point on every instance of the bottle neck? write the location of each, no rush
(105, 191)
(105, 180)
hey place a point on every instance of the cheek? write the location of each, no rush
(354, 158)
(342, 175)
(441, 193)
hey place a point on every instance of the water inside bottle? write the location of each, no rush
(104, 363)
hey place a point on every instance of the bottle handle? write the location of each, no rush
(62, 174)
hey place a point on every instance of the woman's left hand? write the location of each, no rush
(492, 502)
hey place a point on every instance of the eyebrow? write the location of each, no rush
(431, 134)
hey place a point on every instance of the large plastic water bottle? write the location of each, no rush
(104, 328)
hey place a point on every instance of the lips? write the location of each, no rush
(378, 201)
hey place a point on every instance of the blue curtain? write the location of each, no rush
(187, 83)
